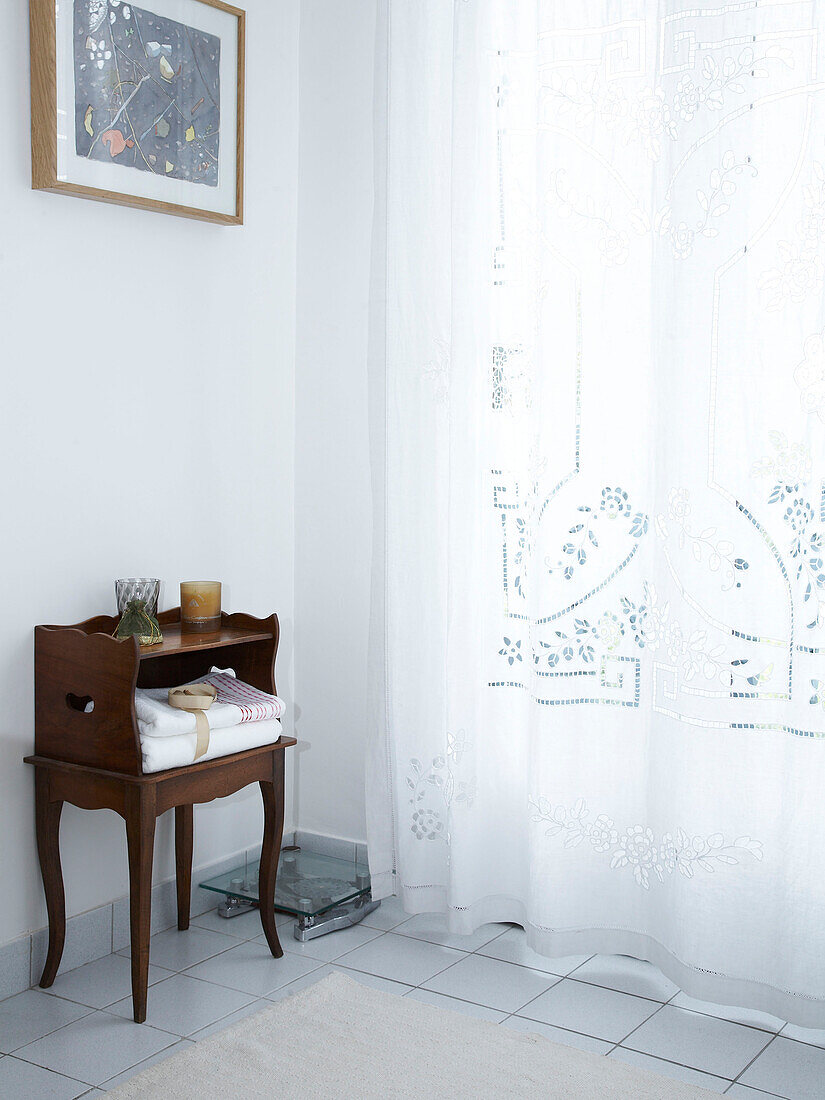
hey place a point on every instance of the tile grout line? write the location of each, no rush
(336, 961)
(750, 1063)
(733, 1080)
(478, 1004)
(25, 1061)
(562, 977)
(524, 966)
(80, 1081)
(558, 1027)
(613, 989)
(517, 1012)
(437, 943)
(449, 966)
(617, 1045)
(529, 1002)
(672, 1062)
(339, 961)
(45, 1035)
(755, 1090)
(532, 1000)
(633, 1030)
(571, 976)
(237, 941)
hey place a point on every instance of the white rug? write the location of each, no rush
(342, 1039)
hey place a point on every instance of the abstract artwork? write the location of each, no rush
(140, 105)
(147, 91)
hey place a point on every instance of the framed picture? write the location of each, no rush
(140, 105)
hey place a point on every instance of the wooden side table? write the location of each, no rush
(87, 752)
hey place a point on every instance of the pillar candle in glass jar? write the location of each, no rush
(200, 605)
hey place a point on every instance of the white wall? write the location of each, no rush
(332, 476)
(118, 327)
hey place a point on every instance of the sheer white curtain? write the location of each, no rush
(603, 590)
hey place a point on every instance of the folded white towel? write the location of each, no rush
(160, 753)
(236, 703)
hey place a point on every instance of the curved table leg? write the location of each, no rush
(273, 797)
(183, 862)
(48, 849)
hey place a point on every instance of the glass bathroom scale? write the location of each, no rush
(324, 893)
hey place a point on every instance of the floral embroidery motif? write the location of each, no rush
(522, 554)
(614, 246)
(651, 617)
(434, 790)
(727, 77)
(721, 187)
(457, 745)
(511, 650)
(681, 236)
(637, 617)
(609, 631)
(810, 376)
(613, 243)
(713, 203)
(646, 119)
(614, 504)
(798, 276)
(590, 99)
(689, 652)
(689, 98)
(567, 646)
(438, 372)
(717, 553)
(647, 625)
(524, 522)
(651, 116)
(805, 546)
(650, 120)
(790, 464)
(799, 273)
(510, 382)
(818, 697)
(638, 848)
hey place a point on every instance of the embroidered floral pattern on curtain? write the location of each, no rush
(606, 482)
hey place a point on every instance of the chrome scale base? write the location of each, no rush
(306, 927)
(342, 916)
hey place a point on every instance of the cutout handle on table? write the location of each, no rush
(84, 704)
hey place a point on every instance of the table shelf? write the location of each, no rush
(175, 640)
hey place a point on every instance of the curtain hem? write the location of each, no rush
(704, 985)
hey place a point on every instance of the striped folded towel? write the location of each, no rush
(236, 702)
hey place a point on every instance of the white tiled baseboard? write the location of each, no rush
(99, 931)
(331, 845)
(15, 966)
(88, 937)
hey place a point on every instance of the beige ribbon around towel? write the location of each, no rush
(196, 698)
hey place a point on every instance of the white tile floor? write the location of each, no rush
(77, 1039)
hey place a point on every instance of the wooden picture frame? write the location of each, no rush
(211, 188)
